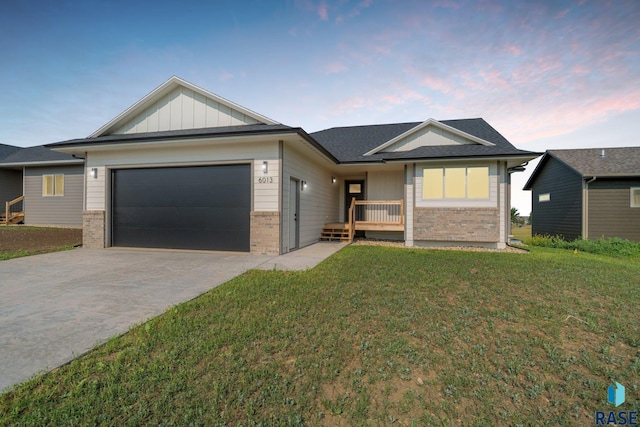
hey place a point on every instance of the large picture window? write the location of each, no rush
(455, 183)
(53, 185)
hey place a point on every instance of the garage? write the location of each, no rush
(200, 207)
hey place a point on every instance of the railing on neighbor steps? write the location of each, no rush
(13, 209)
(376, 215)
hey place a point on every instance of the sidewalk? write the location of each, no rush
(303, 259)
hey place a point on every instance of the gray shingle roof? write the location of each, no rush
(7, 150)
(39, 154)
(348, 144)
(193, 133)
(619, 161)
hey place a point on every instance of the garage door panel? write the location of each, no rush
(204, 207)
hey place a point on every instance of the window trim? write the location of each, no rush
(53, 178)
(443, 192)
(631, 191)
(546, 199)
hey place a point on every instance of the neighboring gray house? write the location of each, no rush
(52, 184)
(588, 193)
(185, 168)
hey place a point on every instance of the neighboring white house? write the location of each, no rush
(184, 168)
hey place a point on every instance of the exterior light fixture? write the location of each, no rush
(304, 185)
(94, 173)
(265, 167)
(333, 179)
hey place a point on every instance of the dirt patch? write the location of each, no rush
(13, 238)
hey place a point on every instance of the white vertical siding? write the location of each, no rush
(429, 136)
(318, 202)
(181, 109)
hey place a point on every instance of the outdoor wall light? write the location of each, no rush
(265, 167)
(333, 179)
(94, 172)
(304, 185)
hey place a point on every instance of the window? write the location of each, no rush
(355, 188)
(455, 183)
(545, 197)
(635, 197)
(53, 185)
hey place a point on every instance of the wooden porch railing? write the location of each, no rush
(14, 210)
(375, 215)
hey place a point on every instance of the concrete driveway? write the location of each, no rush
(56, 306)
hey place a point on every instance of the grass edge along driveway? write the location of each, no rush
(373, 335)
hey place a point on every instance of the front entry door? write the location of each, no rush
(294, 189)
(354, 189)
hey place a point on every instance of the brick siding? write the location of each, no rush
(93, 229)
(457, 224)
(265, 232)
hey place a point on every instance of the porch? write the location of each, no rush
(366, 215)
(13, 212)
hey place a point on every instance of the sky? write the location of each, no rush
(546, 74)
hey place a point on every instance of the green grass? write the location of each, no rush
(372, 336)
(10, 254)
(521, 233)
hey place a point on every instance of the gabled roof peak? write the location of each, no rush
(429, 122)
(167, 88)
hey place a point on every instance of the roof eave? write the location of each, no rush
(44, 163)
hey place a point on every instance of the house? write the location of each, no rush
(185, 168)
(589, 193)
(39, 186)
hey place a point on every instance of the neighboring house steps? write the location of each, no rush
(14, 211)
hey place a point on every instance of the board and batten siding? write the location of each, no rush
(318, 203)
(562, 214)
(385, 185)
(609, 210)
(428, 137)
(265, 195)
(181, 109)
(54, 210)
(10, 186)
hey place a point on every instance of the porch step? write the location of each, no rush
(334, 232)
(14, 219)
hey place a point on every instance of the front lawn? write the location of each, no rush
(372, 336)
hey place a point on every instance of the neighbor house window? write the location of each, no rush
(455, 183)
(545, 197)
(53, 185)
(635, 197)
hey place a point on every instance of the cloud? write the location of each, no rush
(335, 67)
(322, 11)
(225, 76)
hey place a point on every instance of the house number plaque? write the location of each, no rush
(265, 180)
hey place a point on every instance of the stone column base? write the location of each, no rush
(265, 233)
(93, 230)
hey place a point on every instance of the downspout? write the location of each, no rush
(586, 207)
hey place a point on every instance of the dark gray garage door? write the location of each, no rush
(204, 207)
